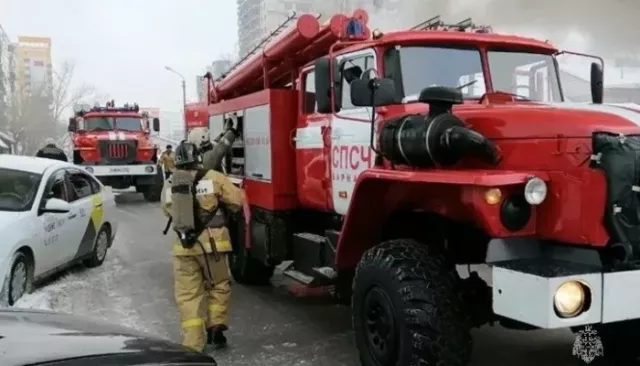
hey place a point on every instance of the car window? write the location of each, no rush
(81, 184)
(353, 69)
(56, 187)
(310, 105)
(95, 185)
(18, 189)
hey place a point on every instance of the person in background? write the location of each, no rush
(51, 151)
(168, 161)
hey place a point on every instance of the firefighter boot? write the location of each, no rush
(215, 336)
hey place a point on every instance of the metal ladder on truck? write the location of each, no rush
(258, 48)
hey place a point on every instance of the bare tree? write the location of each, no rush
(39, 114)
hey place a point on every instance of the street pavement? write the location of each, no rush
(269, 326)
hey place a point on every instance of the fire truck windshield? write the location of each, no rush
(112, 123)
(530, 76)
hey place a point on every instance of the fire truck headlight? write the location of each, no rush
(535, 191)
(149, 169)
(89, 169)
(570, 299)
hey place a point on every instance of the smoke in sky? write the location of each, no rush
(606, 27)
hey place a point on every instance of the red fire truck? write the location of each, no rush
(113, 144)
(378, 162)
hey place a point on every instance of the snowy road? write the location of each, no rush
(268, 326)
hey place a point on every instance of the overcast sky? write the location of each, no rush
(122, 46)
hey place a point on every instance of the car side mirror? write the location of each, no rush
(597, 83)
(156, 124)
(73, 125)
(56, 205)
(375, 92)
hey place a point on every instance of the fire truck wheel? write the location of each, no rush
(247, 270)
(153, 193)
(406, 310)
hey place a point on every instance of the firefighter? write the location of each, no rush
(201, 247)
(51, 151)
(167, 159)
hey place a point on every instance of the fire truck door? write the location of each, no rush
(313, 145)
(350, 133)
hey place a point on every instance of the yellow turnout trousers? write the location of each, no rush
(202, 300)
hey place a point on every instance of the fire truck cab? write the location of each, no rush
(113, 143)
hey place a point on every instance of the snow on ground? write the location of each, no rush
(94, 293)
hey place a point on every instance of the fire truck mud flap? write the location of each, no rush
(550, 293)
(618, 157)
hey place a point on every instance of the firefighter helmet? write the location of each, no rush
(186, 154)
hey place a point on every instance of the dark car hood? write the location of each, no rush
(29, 336)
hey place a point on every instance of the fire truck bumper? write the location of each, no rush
(118, 170)
(549, 293)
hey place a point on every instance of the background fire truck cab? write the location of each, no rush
(475, 158)
(113, 144)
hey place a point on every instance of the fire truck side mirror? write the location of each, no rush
(323, 81)
(597, 83)
(373, 92)
(73, 125)
(156, 124)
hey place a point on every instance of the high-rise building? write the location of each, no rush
(7, 77)
(34, 71)
(217, 69)
(201, 85)
(258, 18)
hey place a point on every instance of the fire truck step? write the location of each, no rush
(323, 277)
(313, 257)
(311, 251)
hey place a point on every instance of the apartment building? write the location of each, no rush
(34, 72)
(7, 76)
(258, 18)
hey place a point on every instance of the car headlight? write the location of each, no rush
(570, 299)
(89, 169)
(535, 191)
(149, 169)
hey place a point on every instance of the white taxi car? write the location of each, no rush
(52, 216)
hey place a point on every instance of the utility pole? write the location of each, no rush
(184, 97)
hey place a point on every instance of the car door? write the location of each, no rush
(56, 228)
(350, 135)
(88, 204)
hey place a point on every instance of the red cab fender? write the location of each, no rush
(459, 195)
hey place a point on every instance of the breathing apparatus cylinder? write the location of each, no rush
(182, 194)
(437, 139)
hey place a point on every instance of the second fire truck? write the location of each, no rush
(114, 144)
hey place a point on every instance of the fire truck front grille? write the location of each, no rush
(118, 152)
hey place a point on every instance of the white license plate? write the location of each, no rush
(119, 170)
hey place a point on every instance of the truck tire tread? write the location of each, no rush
(433, 326)
(153, 192)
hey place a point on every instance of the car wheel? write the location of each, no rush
(99, 249)
(19, 282)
